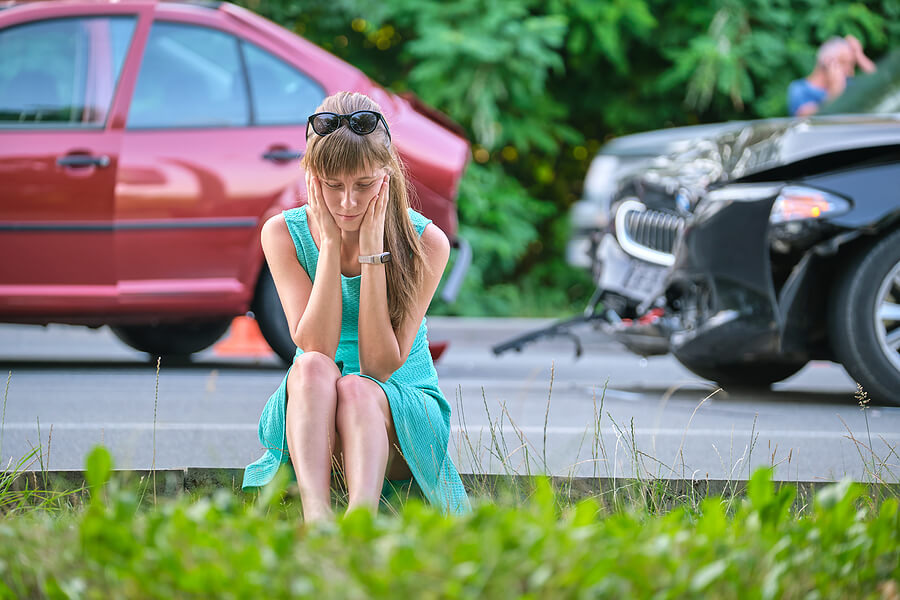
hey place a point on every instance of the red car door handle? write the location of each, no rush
(83, 160)
(282, 155)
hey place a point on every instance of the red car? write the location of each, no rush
(142, 146)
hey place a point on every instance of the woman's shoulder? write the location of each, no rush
(297, 223)
(419, 221)
(283, 222)
(275, 232)
(433, 238)
(284, 229)
(294, 214)
(435, 242)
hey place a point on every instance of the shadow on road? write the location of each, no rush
(725, 397)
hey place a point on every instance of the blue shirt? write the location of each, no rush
(800, 92)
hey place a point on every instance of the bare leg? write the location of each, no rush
(367, 438)
(310, 415)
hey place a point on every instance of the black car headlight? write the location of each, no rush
(800, 217)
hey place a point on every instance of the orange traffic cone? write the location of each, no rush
(244, 339)
(437, 348)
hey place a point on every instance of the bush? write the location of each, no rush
(220, 546)
(503, 223)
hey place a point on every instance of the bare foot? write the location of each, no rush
(317, 514)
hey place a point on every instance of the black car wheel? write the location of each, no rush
(271, 319)
(754, 375)
(864, 319)
(172, 340)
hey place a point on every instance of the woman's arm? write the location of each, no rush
(864, 62)
(806, 109)
(312, 309)
(382, 350)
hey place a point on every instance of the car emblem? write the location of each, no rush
(683, 201)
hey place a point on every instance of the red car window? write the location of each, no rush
(190, 76)
(281, 94)
(61, 72)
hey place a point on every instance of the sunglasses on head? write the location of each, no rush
(361, 122)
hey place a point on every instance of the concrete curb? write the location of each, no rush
(168, 481)
(172, 482)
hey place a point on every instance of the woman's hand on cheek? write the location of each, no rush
(329, 232)
(371, 233)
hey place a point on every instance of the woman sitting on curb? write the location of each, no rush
(356, 269)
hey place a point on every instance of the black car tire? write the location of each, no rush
(852, 324)
(172, 339)
(753, 375)
(270, 318)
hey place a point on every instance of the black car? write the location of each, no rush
(747, 249)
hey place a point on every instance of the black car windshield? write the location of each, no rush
(876, 93)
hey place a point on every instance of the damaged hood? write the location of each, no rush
(742, 148)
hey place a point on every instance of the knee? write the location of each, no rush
(314, 364)
(313, 369)
(357, 401)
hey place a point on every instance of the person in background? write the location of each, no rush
(836, 62)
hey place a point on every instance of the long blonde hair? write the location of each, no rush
(344, 152)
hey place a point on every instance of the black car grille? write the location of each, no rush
(653, 229)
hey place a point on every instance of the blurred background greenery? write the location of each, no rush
(539, 85)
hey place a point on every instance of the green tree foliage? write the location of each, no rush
(540, 85)
(500, 57)
(751, 50)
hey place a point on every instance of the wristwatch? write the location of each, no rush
(376, 259)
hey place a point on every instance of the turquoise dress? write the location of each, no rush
(419, 409)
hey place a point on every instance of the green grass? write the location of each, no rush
(224, 545)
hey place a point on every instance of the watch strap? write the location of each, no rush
(375, 259)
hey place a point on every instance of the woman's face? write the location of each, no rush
(348, 197)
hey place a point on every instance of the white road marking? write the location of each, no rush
(45, 427)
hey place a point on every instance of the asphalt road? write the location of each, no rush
(535, 411)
